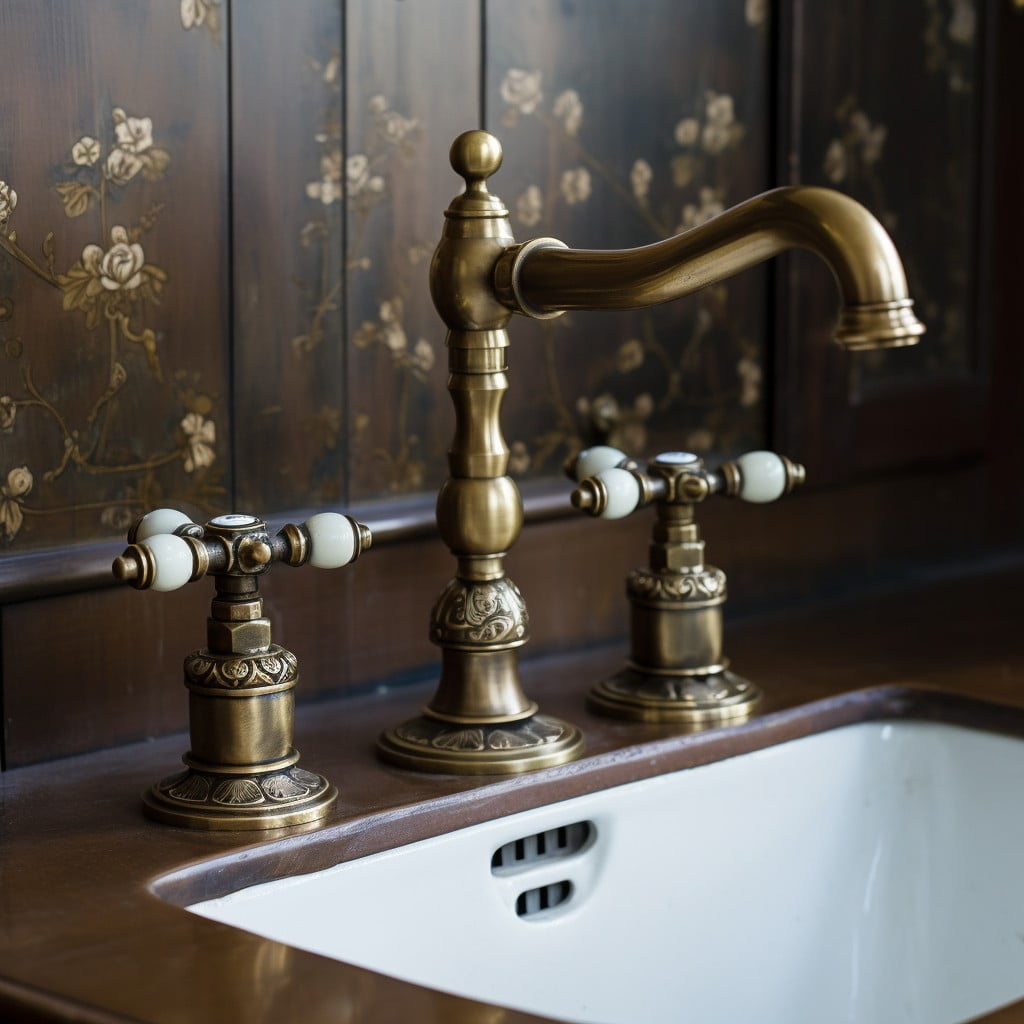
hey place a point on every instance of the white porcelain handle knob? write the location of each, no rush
(160, 520)
(621, 493)
(333, 540)
(172, 561)
(763, 476)
(592, 461)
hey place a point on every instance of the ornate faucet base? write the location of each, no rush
(501, 748)
(217, 799)
(699, 701)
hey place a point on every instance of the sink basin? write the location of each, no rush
(869, 874)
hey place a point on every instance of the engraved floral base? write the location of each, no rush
(264, 800)
(662, 697)
(433, 745)
(275, 667)
(708, 586)
(475, 614)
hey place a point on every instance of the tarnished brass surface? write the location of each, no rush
(677, 672)
(479, 276)
(242, 770)
(545, 279)
(479, 721)
(698, 701)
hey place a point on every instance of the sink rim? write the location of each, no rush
(659, 750)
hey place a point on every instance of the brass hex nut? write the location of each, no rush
(678, 557)
(238, 637)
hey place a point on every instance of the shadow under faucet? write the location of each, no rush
(480, 721)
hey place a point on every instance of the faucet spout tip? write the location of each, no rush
(879, 325)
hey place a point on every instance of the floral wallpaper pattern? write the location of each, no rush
(873, 141)
(687, 375)
(601, 150)
(110, 288)
(202, 14)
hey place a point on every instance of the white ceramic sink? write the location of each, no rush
(873, 874)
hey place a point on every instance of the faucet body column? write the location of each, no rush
(479, 721)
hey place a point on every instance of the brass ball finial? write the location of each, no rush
(475, 156)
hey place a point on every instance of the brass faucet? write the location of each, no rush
(676, 671)
(242, 771)
(480, 720)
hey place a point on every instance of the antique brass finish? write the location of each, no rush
(543, 278)
(677, 672)
(241, 771)
(479, 721)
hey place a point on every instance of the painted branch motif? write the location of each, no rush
(112, 288)
(689, 189)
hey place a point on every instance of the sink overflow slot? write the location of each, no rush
(546, 897)
(543, 846)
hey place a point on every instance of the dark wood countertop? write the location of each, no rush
(83, 936)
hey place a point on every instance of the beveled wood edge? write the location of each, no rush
(29, 1005)
(361, 835)
(65, 570)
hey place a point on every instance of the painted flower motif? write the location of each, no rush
(835, 162)
(755, 12)
(749, 372)
(569, 109)
(530, 206)
(19, 483)
(120, 267)
(695, 214)
(522, 90)
(86, 151)
(8, 412)
(394, 128)
(358, 178)
(963, 22)
(117, 518)
(332, 69)
(868, 137)
(121, 166)
(688, 131)
(328, 189)
(719, 128)
(640, 176)
(195, 12)
(423, 356)
(134, 134)
(200, 437)
(575, 185)
(519, 458)
(630, 355)
(861, 145)
(8, 201)
(389, 333)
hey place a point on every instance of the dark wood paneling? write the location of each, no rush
(413, 85)
(104, 666)
(668, 126)
(1004, 230)
(93, 670)
(113, 285)
(886, 105)
(287, 200)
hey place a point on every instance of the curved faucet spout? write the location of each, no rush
(543, 278)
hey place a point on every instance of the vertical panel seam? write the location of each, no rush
(482, 69)
(232, 290)
(345, 383)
